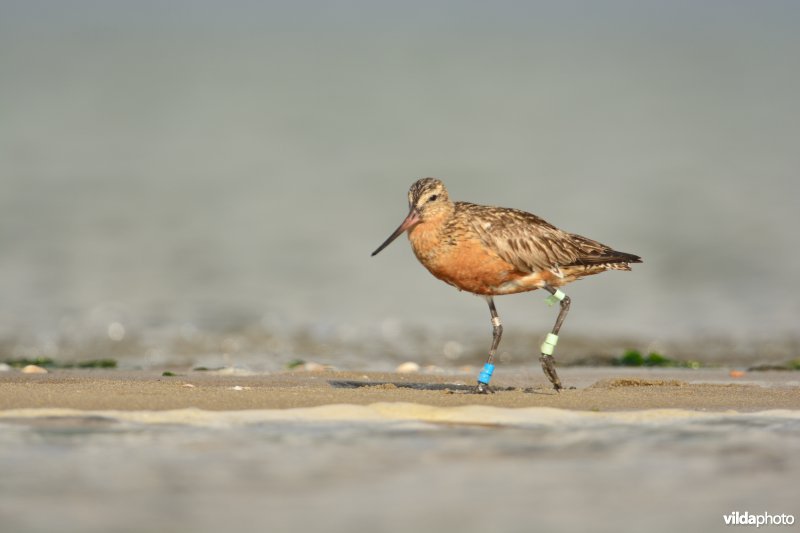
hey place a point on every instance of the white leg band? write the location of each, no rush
(496, 321)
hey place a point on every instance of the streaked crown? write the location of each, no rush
(426, 191)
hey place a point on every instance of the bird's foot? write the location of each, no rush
(483, 388)
(549, 368)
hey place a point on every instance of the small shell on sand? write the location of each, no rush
(5, 367)
(34, 369)
(239, 387)
(409, 367)
(313, 367)
(737, 373)
(188, 385)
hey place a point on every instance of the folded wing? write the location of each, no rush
(531, 244)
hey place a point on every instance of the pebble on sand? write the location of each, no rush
(409, 367)
(34, 369)
(5, 367)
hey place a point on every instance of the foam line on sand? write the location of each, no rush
(390, 412)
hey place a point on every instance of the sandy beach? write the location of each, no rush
(596, 389)
(129, 451)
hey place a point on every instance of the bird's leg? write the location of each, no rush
(497, 332)
(549, 344)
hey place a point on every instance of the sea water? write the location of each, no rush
(206, 181)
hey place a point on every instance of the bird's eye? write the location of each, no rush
(433, 198)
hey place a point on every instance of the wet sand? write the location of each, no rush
(90, 451)
(596, 389)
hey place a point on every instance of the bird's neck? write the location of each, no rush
(426, 237)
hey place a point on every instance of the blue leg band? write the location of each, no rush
(486, 374)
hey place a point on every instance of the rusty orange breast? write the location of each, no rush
(462, 260)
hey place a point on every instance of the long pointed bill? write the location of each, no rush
(411, 219)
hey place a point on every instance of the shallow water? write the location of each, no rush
(393, 468)
(210, 180)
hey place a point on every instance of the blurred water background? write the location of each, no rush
(200, 181)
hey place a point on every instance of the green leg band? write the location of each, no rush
(555, 297)
(549, 344)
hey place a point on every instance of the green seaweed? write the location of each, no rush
(48, 362)
(653, 359)
(168, 374)
(25, 361)
(656, 359)
(630, 358)
(97, 363)
(294, 363)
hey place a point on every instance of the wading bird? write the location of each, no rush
(492, 251)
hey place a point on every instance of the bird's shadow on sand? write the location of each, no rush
(453, 388)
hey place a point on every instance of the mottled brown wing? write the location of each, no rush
(532, 244)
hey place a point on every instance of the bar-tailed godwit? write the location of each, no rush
(492, 251)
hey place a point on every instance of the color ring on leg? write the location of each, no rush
(549, 344)
(486, 374)
(555, 297)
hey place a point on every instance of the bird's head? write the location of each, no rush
(427, 199)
